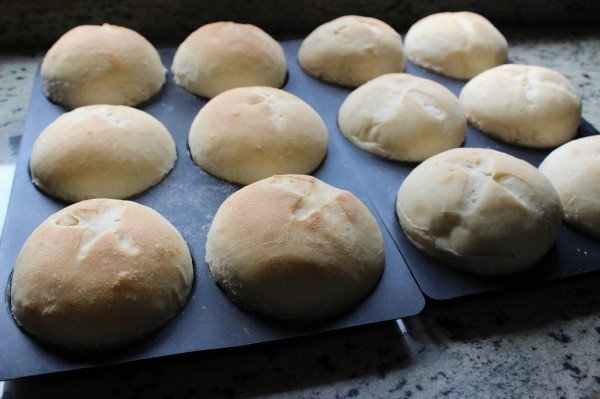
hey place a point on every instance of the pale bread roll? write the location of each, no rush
(100, 273)
(480, 210)
(574, 170)
(295, 248)
(351, 50)
(101, 64)
(455, 44)
(250, 133)
(223, 55)
(525, 105)
(403, 117)
(101, 151)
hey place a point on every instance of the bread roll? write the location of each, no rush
(224, 55)
(480, 210)
(403, 117)
(351, 50)
(295, 248)
(574, 170)
(100, 273)
(105, 64)
(525, 105)
(109, 151)
(455, 44)
(250, 133)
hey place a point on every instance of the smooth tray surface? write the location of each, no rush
(573, 253)
(189, 198)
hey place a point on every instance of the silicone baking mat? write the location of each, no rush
(189, 198)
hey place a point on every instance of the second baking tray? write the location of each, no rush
(572, 254)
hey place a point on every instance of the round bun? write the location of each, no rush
(480, 210)
(250, 133)
(106, 64)
(101, 151)
(455, 44)
(574, 170)
(100, 273)
(295, 248)
(524, 105)
(351, 50)
(403, 117)
(224, 55)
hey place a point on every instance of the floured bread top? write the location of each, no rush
(480, 210)
(295, 248)
(525, 105)
(101, 151)
(100, 273)
(352, 50)
(403, 117)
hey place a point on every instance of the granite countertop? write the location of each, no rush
(542, 342)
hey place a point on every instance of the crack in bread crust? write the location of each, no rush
(96, 224)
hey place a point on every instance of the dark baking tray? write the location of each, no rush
(189, 198)
(573, 253)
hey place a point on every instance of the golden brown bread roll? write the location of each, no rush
(100, 273)
(480, 210)
(295, 248)
(101, 151)
(101, 64)
(223, 55)
(455, 44)
(250, 133)
(403, 117)
(574, 170)
(352, 50)
(526, 105)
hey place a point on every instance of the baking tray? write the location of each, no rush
(572, 254)
(189, 198)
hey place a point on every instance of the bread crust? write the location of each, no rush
(351, 50)
(101, 151)
(295, 248)
(574, 170)
(526, 105)
(480, 210)
(101, 64)
(455, 44)
(223, 55)
(403, 117)
(249, 133)
(100, 273)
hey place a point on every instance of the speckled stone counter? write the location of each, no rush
(542, 342)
